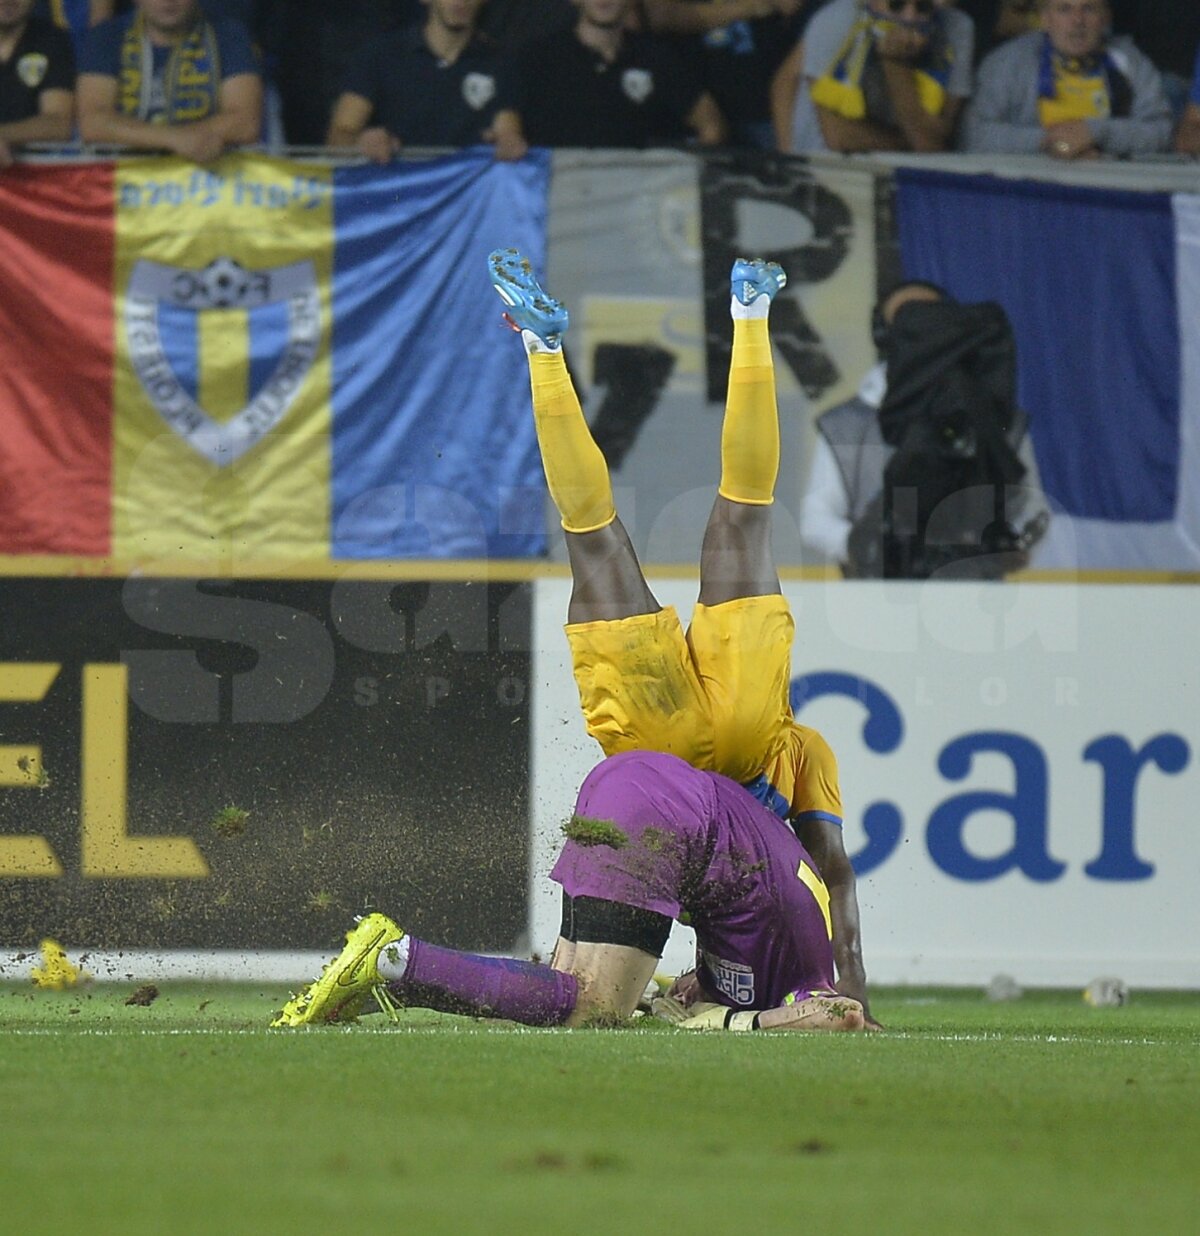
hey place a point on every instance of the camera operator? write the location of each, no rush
(929, 469)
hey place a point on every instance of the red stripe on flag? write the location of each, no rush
(56, 359)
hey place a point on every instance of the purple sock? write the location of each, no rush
(453, 982)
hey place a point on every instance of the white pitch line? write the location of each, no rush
(997, 1037)
(909, 1036)
(164, 1032)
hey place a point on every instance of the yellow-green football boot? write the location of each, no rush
(340, 992)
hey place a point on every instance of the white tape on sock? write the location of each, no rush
(759, 307)
(393, 961)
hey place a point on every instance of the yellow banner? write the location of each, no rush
(222, 376)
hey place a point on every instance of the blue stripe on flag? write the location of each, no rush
(434, 453)
(1088, 278)
(178, 329)
(268, 325)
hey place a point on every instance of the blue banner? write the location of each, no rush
(434, 453)
(1088, 278)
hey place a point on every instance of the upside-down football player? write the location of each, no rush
(717, 698)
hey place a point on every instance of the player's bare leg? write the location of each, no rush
(736, 559)
(611, 979)
(611, 950)
(608, 579)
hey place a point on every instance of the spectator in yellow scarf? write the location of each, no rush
(1069, 91)
(164, 77)
(876, 75)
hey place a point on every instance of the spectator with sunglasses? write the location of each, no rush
(877, 75)
(1069, 91)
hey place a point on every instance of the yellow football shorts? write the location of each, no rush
(717, 697)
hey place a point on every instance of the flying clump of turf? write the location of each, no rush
(230, 821)
(584, 830)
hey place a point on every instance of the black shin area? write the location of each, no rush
(594, 921)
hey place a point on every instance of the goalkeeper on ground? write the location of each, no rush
(652, 840)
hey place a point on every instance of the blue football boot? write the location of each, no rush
(750, 279)
(529, 307)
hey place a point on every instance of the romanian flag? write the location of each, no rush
(265, 362)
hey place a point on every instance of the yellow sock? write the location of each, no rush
(575, 468)
(750, 432)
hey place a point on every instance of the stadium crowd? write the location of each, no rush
(1069, 79)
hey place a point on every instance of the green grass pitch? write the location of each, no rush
(189, 1116)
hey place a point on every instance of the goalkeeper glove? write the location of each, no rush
(718, 1017)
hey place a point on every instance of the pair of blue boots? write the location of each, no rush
(531, 308)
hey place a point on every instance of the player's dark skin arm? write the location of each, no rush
(823, 841)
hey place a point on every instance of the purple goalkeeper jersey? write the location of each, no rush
(661, 835)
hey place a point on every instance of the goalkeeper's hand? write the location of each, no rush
(702, 1016)
(818, 1012)
(670, 1008)
(685, 996)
